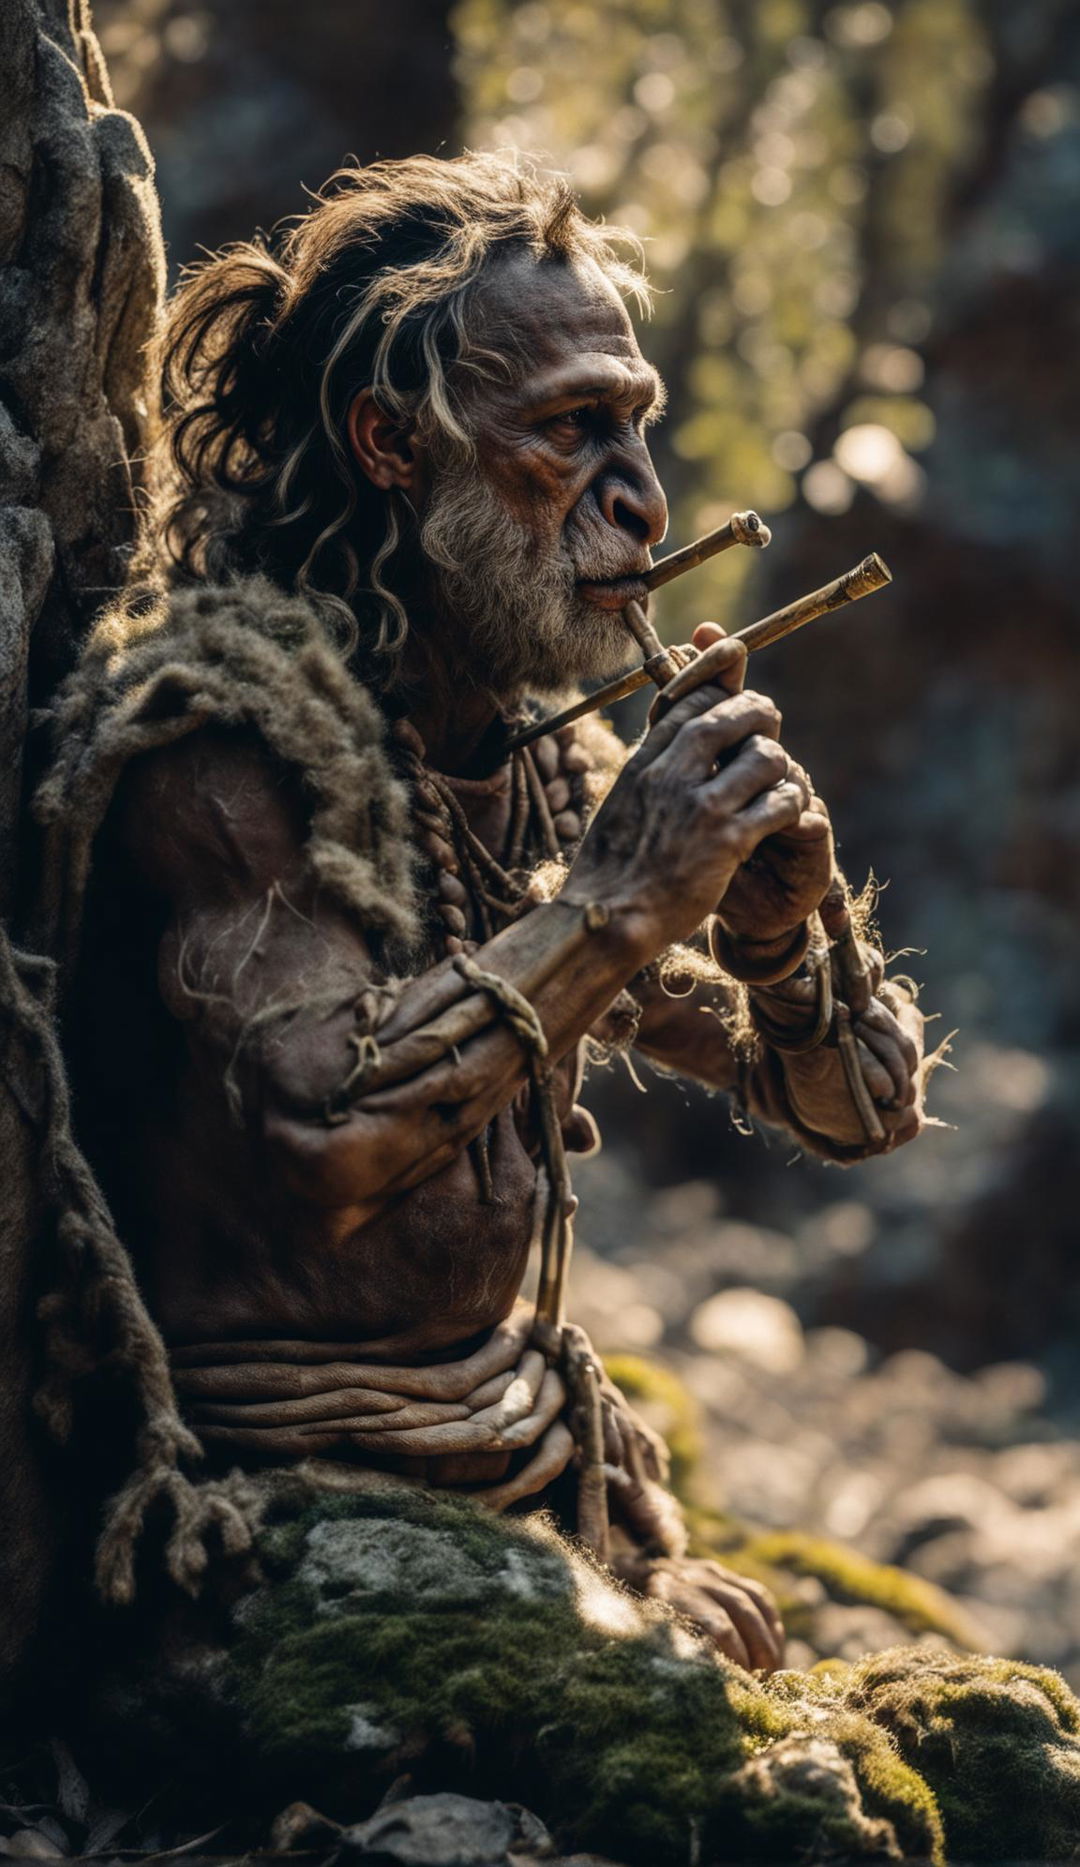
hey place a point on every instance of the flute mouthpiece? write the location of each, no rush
(748, 529)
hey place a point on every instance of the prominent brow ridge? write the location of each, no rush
(648, 389)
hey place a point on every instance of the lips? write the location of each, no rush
(613, 592)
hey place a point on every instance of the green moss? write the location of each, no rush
(891, 1785)
(668, 1407)
(404, 1630)
(777, 1557)
(997, 1741)
(983, 1751)
(850, 1578)
(624, 1732)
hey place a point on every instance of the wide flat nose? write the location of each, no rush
(632, 500)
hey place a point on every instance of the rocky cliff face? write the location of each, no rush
(81, 273)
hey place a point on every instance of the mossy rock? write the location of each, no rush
(407, 1630)
(998, 1742)
(402, 1630)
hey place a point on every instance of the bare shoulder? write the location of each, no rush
(215, 816)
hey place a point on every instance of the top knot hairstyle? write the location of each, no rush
(266, 344)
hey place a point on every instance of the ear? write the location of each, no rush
(380, 445)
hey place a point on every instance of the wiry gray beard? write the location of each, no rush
(525, 626)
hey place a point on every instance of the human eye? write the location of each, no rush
(572, 424)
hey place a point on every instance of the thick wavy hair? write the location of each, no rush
(265, 345)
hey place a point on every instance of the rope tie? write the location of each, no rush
(370, 1012)
(496, 892)
(517, 1011)
(94, 1317)
(562, 1344)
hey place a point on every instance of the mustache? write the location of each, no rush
(601, 563)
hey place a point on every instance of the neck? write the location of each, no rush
(450, 710)
(453, 729)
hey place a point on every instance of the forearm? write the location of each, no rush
(443, 1060)
(841, 1110)
(687, 1023)
(704, 1029)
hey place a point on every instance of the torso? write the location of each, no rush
(219, 1259)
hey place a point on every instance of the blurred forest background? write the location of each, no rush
(863, 221)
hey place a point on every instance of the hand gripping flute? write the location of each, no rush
(661, 665)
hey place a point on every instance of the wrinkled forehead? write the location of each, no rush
(546, 315)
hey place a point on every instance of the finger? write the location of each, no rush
(723, 664)
(875, 1075)
(706, 634)
(697, 746)
(699, 700)
(748, 760)
(700, 1606)
(813, 827)
(765, 1601)
(906, 1126)
(835, 915)
(717, 1623)
(874, 961)
(769, 814)
(427, 998)
(757, 1637)
(888, 1055)
(878, 1017)
(759, 765)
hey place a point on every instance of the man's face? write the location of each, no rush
(539, 542)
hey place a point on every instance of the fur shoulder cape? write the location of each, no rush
(242, 653)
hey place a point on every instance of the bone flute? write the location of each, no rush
(743, 528)
(660, 664)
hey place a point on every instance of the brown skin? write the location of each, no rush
(374, 1231)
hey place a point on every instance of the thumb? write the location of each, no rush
(706, 634)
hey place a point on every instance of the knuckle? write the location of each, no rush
(766, 709)
(771, 755)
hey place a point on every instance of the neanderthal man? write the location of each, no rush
(333, 947)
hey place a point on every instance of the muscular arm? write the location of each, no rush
(264, 972)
